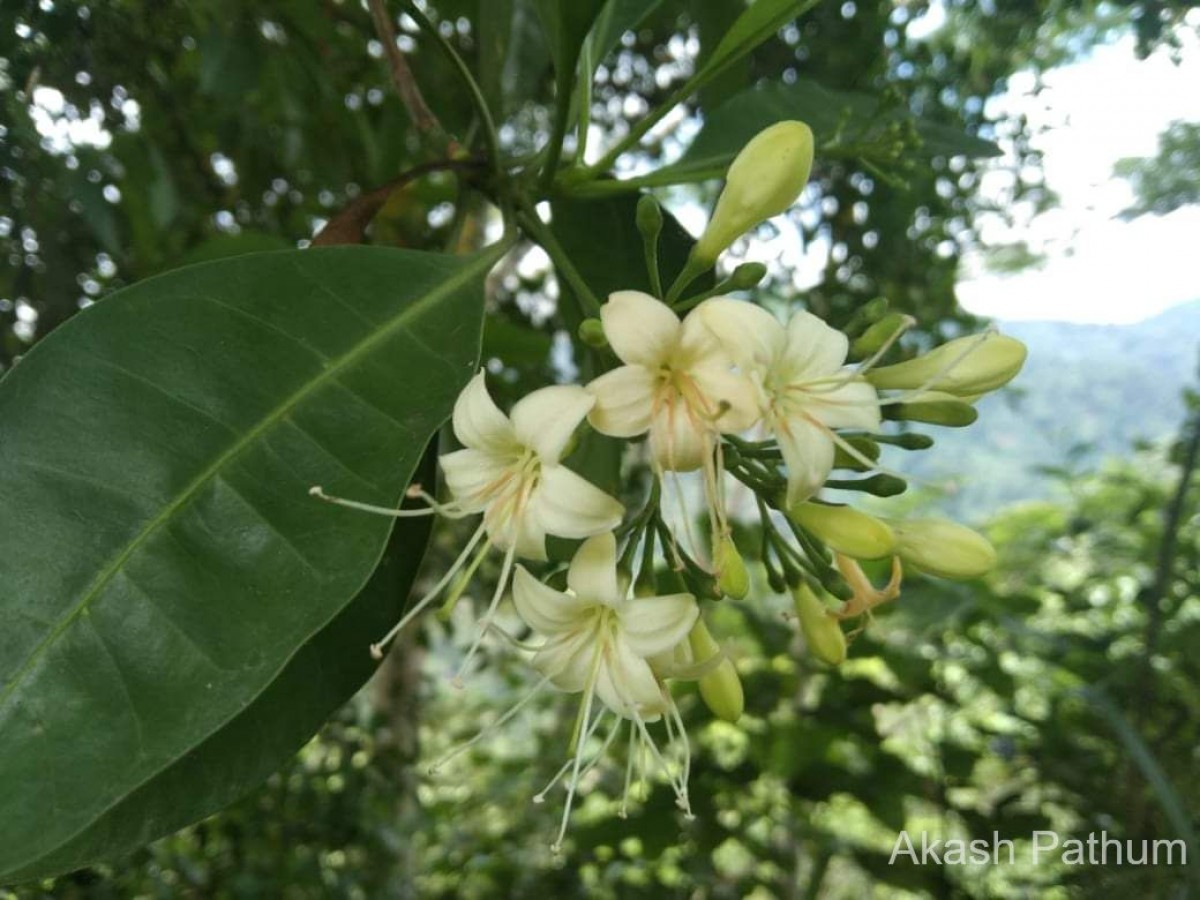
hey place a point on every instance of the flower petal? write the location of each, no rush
(679, 438)
(653, 625)
(478, 422)
(854, 404)
(570, 506)
(813, 349)
(640, 329)
(568, 659)
(808, 453)
(470, 475)
(626, 682)
(546, 610)
(720, 386)
(593, 571)
(624, 401)
(546, 418)
(530, 537)
(752, 337)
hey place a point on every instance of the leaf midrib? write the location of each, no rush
(483, 261)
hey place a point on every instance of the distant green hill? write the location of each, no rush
(1087, 392)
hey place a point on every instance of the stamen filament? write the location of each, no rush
(488, 729)
(319, 493)
(505, 571)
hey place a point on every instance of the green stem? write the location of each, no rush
(528, 219)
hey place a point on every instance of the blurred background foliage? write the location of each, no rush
(139, 136)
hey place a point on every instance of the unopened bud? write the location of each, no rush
(591, 332)
(944, 548)
(764, 179)
(965, 367)
(732, 577)
(879, 485)
(934, 408)
(721, 689)
(866, 451)
(649, 217)
(866, 315)
(909, 440)
(821, 630)
(746, 276)
(845, 529)
(876, 337)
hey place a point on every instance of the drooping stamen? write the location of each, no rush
(588, 695)
(624, 811)
(488, 729)
(505, 571)
(540, 796)
(319, 493)
(680, 793)
(377, 647)
(687, 746)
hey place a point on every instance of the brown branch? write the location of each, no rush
(350, 224)
(406, 85)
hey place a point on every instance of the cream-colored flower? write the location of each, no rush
(805, 391)
(677, 383)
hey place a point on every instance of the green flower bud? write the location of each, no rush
(746, 276)
(867, 314)
(909, 440)
(878, 485)
(877, 335)
(866, 448)
(821, 630)
(845, 529)
(732, 577)
(965, 367)
(944, 548)
(649, 217)
(935, 408)
(764, 179)
(721, 689)
(591, 332)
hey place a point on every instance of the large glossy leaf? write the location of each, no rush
(856, 117)
(761, 20)
(161, 561)
(323, 675)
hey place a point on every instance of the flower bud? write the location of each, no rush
(944, 548)
(764, 179)
(965, 367)
(865, 316)
(845, 529)
(866, 449)
(732, 577)
(591, 332)
(935, 408)
(649, 217)
(746, 276)
(721, 689)
(879, 334)
(881, 484)
(821, 630)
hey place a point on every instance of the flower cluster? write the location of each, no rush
(732, 393)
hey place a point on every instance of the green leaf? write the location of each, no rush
(618, 17)
(758, 23)
(168, 562)
(834, 116)
(567, 23)
(225, 245)
(321, 677)
(512, 54)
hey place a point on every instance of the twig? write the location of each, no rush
(406, 85)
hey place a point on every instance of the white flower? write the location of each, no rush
(510, 469)
(598, 638)
(676, 383)
(597, 642)
(804, 389)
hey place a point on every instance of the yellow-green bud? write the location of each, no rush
(966, 366)
(944, 548)
(821, 630)
(732, 577)
(935, 408)
(591, 332)
(845, 529)
(649, 217)
(746, 276)
(721, 689)
(878, 334)
(764, 179)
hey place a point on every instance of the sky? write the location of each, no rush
(1100, 269)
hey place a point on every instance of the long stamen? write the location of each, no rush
(449, 510)
(377, 647)
(488, 729)
(624, 812)
(687, 747)
(505, 571)
(319, 493)
(588, 695)
(540, 797)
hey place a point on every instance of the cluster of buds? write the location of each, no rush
(730, 393)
